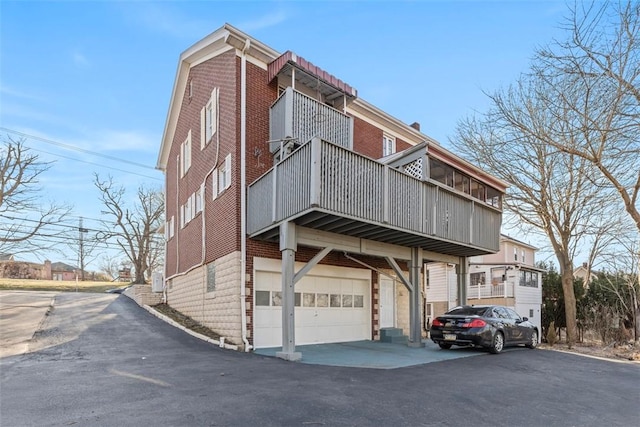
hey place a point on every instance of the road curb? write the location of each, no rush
(167, 319)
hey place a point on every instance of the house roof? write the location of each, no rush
(228, 37)
(61, 266)
(504, 237)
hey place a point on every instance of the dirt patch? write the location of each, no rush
(628, 351)
(185, 321)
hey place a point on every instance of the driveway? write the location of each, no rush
(101, 361)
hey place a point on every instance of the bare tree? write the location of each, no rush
(27, 225)
(132, 228)
(551, 191)
(601, 62)
(110, 265)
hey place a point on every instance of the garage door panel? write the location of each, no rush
(315, 324)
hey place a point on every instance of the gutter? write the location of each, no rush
(243, 194)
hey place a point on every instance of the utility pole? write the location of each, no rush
(81, 232)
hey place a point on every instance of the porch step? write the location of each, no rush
(393, 335)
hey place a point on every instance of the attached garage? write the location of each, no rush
(332, 304)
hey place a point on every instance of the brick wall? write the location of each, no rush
(221, 214)
(367, 139)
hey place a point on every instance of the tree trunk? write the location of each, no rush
(569, 303)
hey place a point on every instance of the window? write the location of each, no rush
(498, 275)
(515, 254)
(185, 153)
(462, 183)
(478, 190)
(529, 278)
(262, 298)
(222, 177)
(477, 279)
(531, 313)
(335, 300)
(211, 277)
(198, 200)
(209, 118)
(512, 314)
(170, 228)
(522, 254)
(388, 145)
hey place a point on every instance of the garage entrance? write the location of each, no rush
(332, 304)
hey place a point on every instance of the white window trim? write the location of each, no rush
(185, 152)
(210, 131)
(392, 144)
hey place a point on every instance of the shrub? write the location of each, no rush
(552, 338)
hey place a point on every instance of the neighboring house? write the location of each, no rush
(508, 278)
(585, 273)
(7, 257)
(12, 269)
(62, 271)
(289, 197)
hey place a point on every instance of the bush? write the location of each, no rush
(552, 338)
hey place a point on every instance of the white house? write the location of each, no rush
(507, 278)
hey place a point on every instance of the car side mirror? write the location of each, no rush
(524, 319)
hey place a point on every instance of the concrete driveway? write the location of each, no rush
(100, 362)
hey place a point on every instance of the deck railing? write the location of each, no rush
(499, 290)
(324, 176)
(298, 116)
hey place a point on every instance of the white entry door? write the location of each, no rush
(387, 302)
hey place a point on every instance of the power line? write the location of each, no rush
(75, 148)
(96, 164)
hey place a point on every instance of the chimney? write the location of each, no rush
(584, 264)
(416, 126)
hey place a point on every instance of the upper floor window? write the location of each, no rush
(222, 177)
(185, 153)
(388, 145)
(452, 177)
(170, 228)
(515, 254)
(209, 118)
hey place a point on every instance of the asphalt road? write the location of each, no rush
(100, 360)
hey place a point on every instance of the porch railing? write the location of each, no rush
(298, 116)
(326, 177)
(499, 290)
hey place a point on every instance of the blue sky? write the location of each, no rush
(98, 75)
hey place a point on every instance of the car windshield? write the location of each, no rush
(468, 311)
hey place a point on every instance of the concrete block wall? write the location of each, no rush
(143, 295)
(219, 310)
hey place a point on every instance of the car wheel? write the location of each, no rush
(497, 344)
(533, 343)
(444, 346)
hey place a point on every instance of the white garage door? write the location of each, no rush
(332, 305)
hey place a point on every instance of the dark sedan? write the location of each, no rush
(488, 326)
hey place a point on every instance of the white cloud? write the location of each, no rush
(266, 21)
(165, 19)
(80, 60)
(9, 91)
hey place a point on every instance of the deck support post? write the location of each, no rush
(415, 300)
(462, 270)
(288, 247)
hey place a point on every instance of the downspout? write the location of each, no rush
(243, 194)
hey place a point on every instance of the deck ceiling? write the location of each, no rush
(350, 227)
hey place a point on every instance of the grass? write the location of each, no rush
(57, 285)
